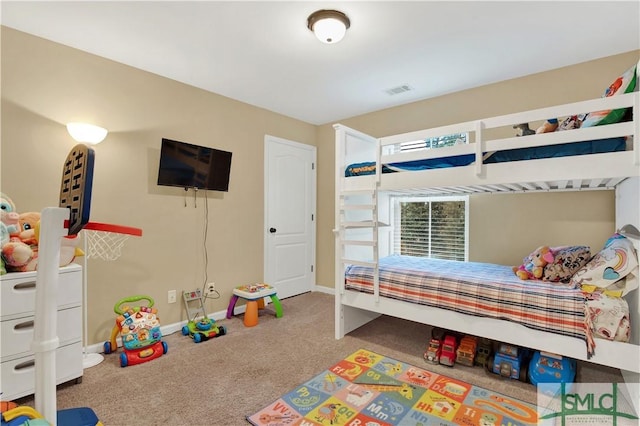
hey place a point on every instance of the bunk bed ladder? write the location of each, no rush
(359, 231)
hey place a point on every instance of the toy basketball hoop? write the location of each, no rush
(69, 218)
(102, 240)
(105, 241)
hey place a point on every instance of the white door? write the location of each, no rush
(290, 204)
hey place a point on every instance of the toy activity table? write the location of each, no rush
(254, 294)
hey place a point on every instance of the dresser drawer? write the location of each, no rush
(18, 375)
(17, 334)
(18, 291)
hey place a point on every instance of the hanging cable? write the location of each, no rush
(215, 294)
(204, 246)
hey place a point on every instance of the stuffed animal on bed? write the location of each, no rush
(548, 126)
(523, 129)
(567, 260)
(533, 265)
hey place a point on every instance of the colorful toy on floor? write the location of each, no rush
(12, 418)
(254, 294)
(550, 368)
(139, 329)
(448, 353)
(200, 327)
(510, 361)
(483, 352)
(466, 352)
(432, 354)
(27, 416)
(434, 348)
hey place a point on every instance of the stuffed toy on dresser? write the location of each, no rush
(20, 232)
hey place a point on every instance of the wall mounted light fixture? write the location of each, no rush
(86, 133)
(329, 26)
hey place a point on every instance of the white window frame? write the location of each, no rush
(395, 208)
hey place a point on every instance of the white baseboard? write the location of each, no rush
(177, 326)
(326, 290)
(167, 329)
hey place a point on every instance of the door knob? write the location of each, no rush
(272, 230)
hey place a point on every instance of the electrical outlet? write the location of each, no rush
(211, 288)
(171, 296)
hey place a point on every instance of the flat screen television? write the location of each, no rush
(191, 166)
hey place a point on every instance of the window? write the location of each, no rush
(435, 142)
(431, 227)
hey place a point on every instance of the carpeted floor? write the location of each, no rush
(221, 381)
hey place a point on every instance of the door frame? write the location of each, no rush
(268, 142)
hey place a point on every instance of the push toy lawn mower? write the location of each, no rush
(200, 327)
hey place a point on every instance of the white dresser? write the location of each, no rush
(17, 304)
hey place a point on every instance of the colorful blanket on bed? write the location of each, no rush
(473, 288)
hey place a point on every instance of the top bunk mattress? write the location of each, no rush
(517, 154)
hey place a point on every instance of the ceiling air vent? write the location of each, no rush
(399, 89)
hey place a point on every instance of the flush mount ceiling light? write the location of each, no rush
(86, 133)
(329, 26)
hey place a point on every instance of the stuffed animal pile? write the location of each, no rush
(625, 83)
(553, 264)
(533, 265)
(19, 234)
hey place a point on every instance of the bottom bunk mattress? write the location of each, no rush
(480, 289)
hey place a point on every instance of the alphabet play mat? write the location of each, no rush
(369, 389)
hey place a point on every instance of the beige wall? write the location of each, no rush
(45, 85)
(503, 228)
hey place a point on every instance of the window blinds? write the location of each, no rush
(431, 227)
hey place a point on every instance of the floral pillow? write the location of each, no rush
(606, 270)
(566, 262)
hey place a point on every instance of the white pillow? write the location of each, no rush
(614, 269)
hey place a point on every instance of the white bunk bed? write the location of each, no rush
(362, 203)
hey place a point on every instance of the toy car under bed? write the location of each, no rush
(551, 368)
(139, 329)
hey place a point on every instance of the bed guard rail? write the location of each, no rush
(487, 142)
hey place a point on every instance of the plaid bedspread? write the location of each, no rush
(474, 288)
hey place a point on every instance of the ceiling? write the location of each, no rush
(262, 53)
